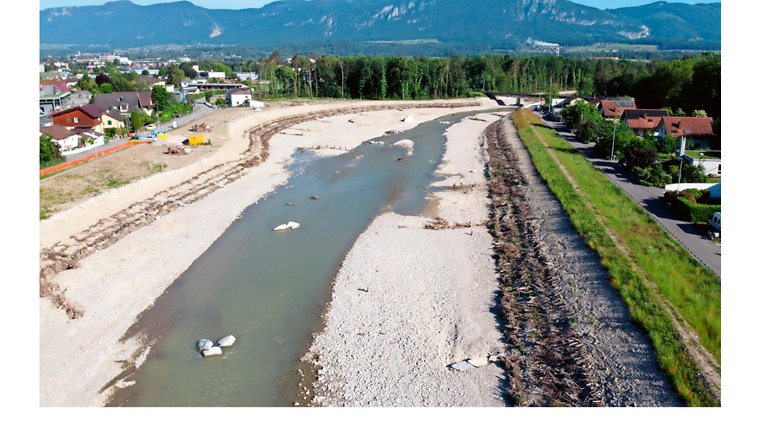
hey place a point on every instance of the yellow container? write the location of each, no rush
(198, 140)
(162, 135)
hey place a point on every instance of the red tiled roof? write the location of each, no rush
(614, 107)
(677, 126)
(644, 119)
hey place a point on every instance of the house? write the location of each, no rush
(212, 74)
(126, 102)
(64, 138)
(696, 129)
(239, 97)
(151, 80)
(642, 121)
(614, 108)
(112, 119)
(86, 116)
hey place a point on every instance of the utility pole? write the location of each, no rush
(614, 129)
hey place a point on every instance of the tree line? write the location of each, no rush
(688, 83)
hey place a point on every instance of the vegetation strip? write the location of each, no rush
(645, 242)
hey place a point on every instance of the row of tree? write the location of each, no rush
(688, 83)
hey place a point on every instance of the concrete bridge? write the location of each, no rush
(515, 99)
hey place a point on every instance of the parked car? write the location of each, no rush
(150, 127)
(715, 221)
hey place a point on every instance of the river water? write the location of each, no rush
(269, 289)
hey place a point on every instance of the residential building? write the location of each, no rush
(643, 121)
(64, 138)
(212, 74)
(112, 119)
(53, 96)
(614, 108)
(236, 98)
(697, 130)
(126, 102)
(86, 116)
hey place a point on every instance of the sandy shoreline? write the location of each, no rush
(80, 358)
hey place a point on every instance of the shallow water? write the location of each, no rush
(268, 288)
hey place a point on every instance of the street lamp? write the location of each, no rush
(614, 129)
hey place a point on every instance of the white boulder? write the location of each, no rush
(203, 344)
(461, 366)
(213, 351)
(288, 225)
(480, 361)
(226, 341)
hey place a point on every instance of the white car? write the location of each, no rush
(715, 221)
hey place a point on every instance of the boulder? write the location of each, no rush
(204, 344)
(461, 366)
(226, 341)
(478, 361)
(288, 225)
(213, 351)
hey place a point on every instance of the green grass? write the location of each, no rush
(692, 289)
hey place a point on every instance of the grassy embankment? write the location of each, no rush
(646, 266)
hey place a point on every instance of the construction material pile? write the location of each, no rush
(201, 127)
(177, 150)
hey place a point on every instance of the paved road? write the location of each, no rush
(650, 198)
(199, 110)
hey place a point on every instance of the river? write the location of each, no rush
(269, 289)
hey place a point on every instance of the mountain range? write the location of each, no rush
(124, 24)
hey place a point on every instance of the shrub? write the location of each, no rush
(640, 156)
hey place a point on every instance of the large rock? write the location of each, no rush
(480, 361)
(461, 366)
(213, 351)
(226, 341)
(203, 344)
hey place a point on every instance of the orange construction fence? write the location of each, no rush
(63, 166)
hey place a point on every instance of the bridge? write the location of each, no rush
(515, 99)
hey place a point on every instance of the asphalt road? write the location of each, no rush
(199, 110)
(650, 198)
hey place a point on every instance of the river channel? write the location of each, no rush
(269, 289)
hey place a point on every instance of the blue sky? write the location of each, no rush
(242, 4)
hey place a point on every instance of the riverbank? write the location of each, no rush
(125, 247)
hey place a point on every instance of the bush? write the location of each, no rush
(48, 149)
(653, 176)
(688, 209)
(640, 156)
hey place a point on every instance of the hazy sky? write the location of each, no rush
(242, 4)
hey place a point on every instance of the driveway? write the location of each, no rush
(649, 198)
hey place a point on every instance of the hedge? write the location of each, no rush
(694, 212)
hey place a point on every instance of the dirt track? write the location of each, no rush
(573, 343)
